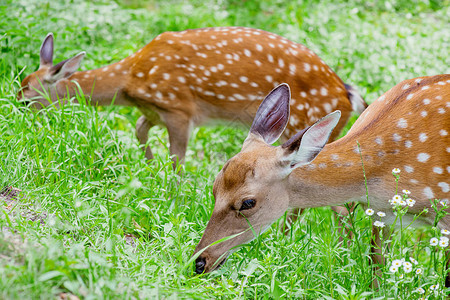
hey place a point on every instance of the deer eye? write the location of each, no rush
(247, 204)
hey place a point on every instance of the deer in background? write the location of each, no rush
(407, 128)
(190, 78)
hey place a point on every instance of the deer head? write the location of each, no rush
(252, 190)
(41, 86)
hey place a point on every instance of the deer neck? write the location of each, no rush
(102, 86)
(336, 176)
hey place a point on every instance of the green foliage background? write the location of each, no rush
(82, 165)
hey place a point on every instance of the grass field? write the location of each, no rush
(96, 221)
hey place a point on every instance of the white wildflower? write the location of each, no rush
(444, 202)
(397, 197)
(434, 241)
(419, 291)
(397, 263)
(434, 287)
(402, 203)
(381, 214)
(393, 269)
(369, 212)
(396, 171)
(445, 231)
(419, 271)
(378, 224)
(413, 260)
(407, 264)
(407, 269)
(410, 202)
(443, 242)
(406, 192)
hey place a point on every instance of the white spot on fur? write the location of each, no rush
(396, 137)
(423, 137)
(408, 169)
(153, 70)
(243, 79)
(443, 132)
(438, 170)
(444, 186)
(408, 144)
(409, 97)
(423, 157)
(426, 101)
(307, 67)
(323, 91)
(428, 192)
(140, 74)
(402, 123)
(423, 113)
(292, 69)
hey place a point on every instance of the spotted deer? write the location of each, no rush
(193, 77)
(405, 128)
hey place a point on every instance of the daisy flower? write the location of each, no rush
(406, 192)
(419, 271)
(434, 287)
(396, 171)
(369, 212)
(378, 224)
(407, 269)
(443, 242)
(393, 269)
(419, 291)
(434, 241)
(445, 231)
(407, 264)
(410, 202)
(382, 214)
(413, 260)
(402, 202)
(397, 263)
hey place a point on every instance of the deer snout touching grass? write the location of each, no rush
(190, 78)
(405, 128)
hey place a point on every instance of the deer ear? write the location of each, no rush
(67, 67)
(304, 147)
(272, 115)
(46, 52)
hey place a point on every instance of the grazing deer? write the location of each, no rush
(407, 128)
(189, 78)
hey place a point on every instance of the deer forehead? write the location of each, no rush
(242, 170)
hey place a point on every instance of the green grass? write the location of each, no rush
(82, 165)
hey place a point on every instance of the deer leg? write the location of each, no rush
(179, 127)
(376, 253)
(143, 125)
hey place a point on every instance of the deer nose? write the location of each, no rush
(200, 264)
